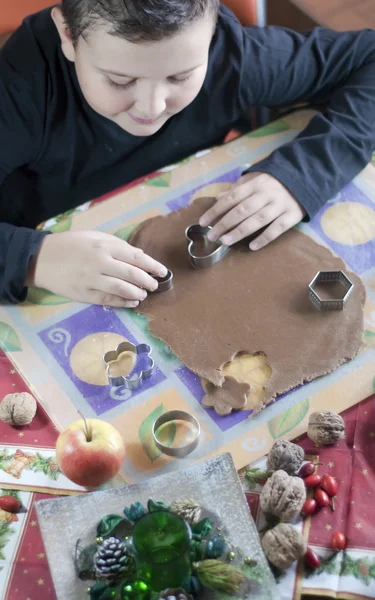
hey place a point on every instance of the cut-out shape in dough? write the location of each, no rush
(248, 368)
(232, 395)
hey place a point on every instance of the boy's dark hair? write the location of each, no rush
(135, 20)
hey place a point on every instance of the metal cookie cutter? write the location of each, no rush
(165, 283)
(212, 252)
(134, 380)
(176, 415)
(329, 277)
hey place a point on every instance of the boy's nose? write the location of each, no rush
(151, 102)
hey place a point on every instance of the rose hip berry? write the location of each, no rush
(338, 541)
(10, 504)
(309, 507)
(306, 470)
(329, 485)
(312, 481)
(312, 559)
(322, 498)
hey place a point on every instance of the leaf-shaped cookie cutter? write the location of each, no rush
(131, 381)
(215, 250)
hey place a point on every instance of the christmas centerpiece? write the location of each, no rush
(181, 536)
(163, 552)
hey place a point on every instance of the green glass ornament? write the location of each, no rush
(136, 590)
(161, 541)
(231, 556)
(215, 547)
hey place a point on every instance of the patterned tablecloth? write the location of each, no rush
(24, 571)
(58, 345)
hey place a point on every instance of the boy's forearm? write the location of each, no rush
(18, 246)
(338, 142)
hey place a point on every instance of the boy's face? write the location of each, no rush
(139, 86)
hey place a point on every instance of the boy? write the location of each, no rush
(94, 94)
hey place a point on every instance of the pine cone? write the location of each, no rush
(112, 560)
(187, 509)
(53, 466)
(175, 594)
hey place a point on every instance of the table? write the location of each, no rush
(44, 340)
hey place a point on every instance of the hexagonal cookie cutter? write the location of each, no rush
(327, 277)
(215, 250)
(131, 381)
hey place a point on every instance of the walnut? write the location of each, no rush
(325, 427)
(283, 545)
(18, 409)
(286, 456)
(283, 496)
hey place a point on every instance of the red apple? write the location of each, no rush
(90, 452)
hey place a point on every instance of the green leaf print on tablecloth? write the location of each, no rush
(63, 223)
(9, 341)
(125, 233)
(369, 337)
(145, 434)
(44, 297)
(142, 323)
(161, 181)
(271, 129)
(288, 420)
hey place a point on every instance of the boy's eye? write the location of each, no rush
(119, 86)
(180, 79)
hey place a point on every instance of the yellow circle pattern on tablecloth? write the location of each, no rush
(86, 359)
(349, 223)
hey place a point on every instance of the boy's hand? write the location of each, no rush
(256, 201)
(94, 267)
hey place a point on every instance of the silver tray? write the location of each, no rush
(213, 483)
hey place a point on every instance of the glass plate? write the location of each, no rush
(213, 483)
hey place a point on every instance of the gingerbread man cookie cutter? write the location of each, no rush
(135, 379)
(330, 277)
(211, 252)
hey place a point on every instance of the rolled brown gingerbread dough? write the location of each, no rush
(250, 301)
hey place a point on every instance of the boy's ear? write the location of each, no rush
(65, 37)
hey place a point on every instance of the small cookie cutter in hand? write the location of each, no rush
(330, 277)
(215, 250)
(132, 381)
(165, 283)
(176, 415)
